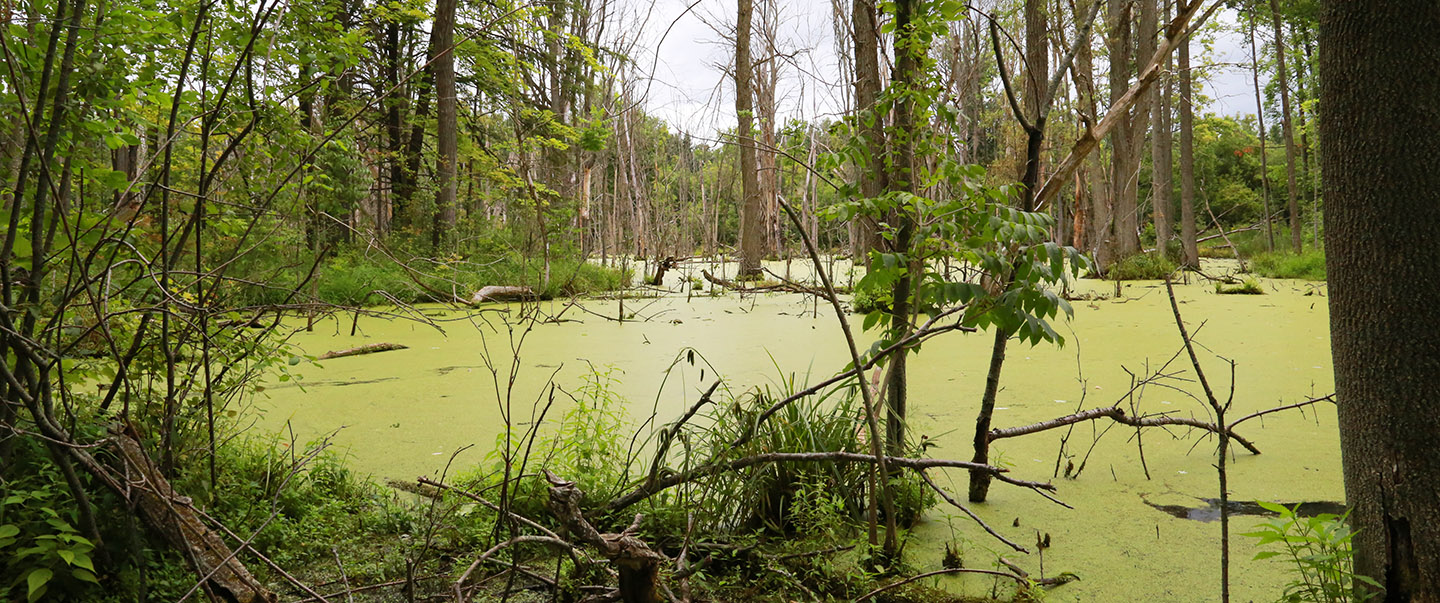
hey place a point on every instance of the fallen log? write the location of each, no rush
(171, 516)
(369, 348)
(502, 293)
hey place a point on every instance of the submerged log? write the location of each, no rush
(369, 348)
(172, 517)
(502, 293)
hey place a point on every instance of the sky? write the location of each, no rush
(682, 50)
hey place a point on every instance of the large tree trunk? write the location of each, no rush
(752, 224)
(1190, 248)
(1162, 166)
(1378, 84)
(872, 128)
(1037, 76)
(447, 121)
(1287, 124)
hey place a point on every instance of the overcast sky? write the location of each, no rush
(690, 90)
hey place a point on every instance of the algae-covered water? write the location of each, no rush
(402, 414)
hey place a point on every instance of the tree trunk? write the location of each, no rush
(1190, 248)
(1123, 157)
(1264, 136)
(447, 121)
(1037, 76)
(1382, 202)
(752, 219)
(872, 126)
(1162, 164)
(1283, 82)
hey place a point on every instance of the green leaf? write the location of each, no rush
(82, 560)
(84, 575)
(1277, 509)
(36, 581)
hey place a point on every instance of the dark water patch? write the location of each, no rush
(1211, 510)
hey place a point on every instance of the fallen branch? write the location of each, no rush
(1118, 415)
(502, 293)
(369, 348)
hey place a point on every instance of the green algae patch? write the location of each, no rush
(402, 414)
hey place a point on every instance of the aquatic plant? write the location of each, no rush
(1319, 550)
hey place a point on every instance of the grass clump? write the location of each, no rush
(1309, 265)
(1141, 267)
(1249, 286)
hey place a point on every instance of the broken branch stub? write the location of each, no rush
(637, 563)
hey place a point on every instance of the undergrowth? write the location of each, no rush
(1309, 265)
(358, 279)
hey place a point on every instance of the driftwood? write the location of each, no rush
(171, 516)
(369, 348)
(638, 564)
(502, 293)
(782, 287)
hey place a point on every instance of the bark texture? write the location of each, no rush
(446, 111)
(1381, 166)
(752, 225)
(1189, 247)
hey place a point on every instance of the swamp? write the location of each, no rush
(684, 301)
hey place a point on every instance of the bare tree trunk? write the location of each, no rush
(867, 90)
(1190, 248)
(447, 122)
(1283, 82)
(752, 225)
(1264, 138)
(1382, 202)
(1037, 76)
(1122, 185)
(1162, 163)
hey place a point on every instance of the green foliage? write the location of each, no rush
(1141, 267)
(1309, 265)
(43, 551)
(1319, 550)
(870, 300)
